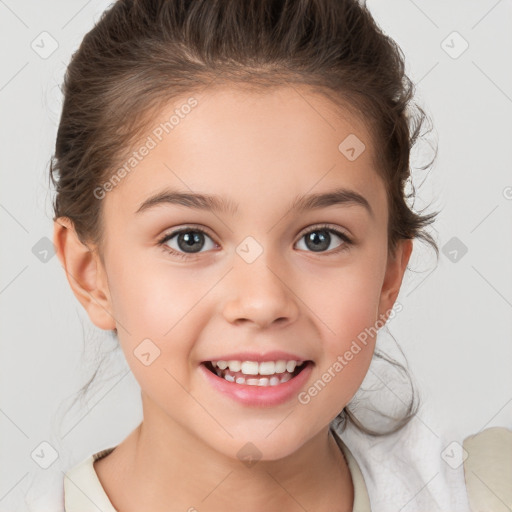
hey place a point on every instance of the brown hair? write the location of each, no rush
(142, 54)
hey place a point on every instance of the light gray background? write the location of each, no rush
(456, 325)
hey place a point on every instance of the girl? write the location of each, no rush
(231, 202)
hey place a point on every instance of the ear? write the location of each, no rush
(395, 270)
(85, 273)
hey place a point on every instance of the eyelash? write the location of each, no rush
(322, 227)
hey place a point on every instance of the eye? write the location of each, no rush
(319, 239)
(191, 240)
(187, 241)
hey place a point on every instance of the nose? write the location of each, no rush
(258, 294)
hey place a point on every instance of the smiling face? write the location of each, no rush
(266, 275)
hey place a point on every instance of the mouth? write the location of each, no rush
(254, 373)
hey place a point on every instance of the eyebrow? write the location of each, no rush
(218, 204)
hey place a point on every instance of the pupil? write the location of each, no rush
(190, 241)
(320, 240)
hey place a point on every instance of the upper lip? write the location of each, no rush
(275, 355)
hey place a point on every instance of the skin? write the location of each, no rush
(281, 144)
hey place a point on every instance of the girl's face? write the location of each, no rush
(280, 264)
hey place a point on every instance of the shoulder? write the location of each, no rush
(408, 469)
(83, 491)
(439, 469)
(488, 469)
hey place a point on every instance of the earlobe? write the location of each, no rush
(85, 273)
(395, 271)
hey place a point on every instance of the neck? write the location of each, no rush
(160, 464)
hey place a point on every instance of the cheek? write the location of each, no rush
(156, 308)
(348, 343)
(346, 302)
(162, 304)
(150, 298)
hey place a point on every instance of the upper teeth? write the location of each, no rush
(255, 368)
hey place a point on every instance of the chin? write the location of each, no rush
(258, 445)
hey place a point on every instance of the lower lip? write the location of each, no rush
(263, 396)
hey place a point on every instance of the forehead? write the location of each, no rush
(244, 144)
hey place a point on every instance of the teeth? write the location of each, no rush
(267, 368)
(249, 368)
(274, 381)
(267, 373)
(263, 381)
(234, 366)
(290, 366)
(255, 368)
(280, 366)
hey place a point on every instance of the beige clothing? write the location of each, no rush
(488, 470)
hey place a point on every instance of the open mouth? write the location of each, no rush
(253, 373)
